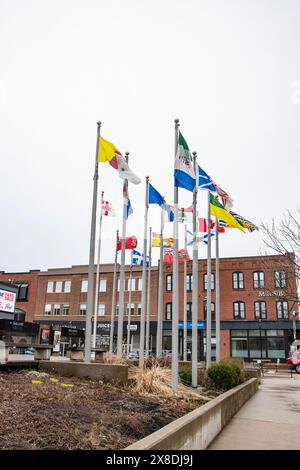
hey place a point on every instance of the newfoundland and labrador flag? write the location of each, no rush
(184, 175)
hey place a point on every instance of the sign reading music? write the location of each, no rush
(7, 301)
(271, 293)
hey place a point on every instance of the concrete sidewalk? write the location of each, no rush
(270, 420)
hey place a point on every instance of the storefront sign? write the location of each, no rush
(200, 325)
(271, 293)
(133, 327)
(7, 301)
(56, 341)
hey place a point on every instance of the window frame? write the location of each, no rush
(169, 311)
(260, 303)
(258, 281)
(280, 279)
(239, 303)
(212, 283)
(238, 273)
(169, 283)
(213, 310)
(283, 317)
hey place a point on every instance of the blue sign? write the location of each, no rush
(200, 325)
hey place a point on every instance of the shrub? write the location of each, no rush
(225, 375)
(185, 375)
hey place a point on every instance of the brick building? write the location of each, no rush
(256, 304)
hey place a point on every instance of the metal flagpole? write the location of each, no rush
(148, 296)
(195, 281)
(129, 304)
(122, 273)
(208, 297)
(175, 293)
(144, 277)
(185, 300)
(160, 289)
(113, 304)
(97, 276)
(218, 320)
(90, 294)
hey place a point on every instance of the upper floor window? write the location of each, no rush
(131, 284)
(212, 283)
(102, 285)
(84, 285)
(56, 309)
(189, 311)
(130, 307)
(280, 279)
(140, 284)
(282, 308)
(259, 280)
(82, 309)
(101, 310)
(50, 287)
(67, 286)
(189, 282)
(58, 286)
(260, 310)
(213, 313)
(169, 311)
(65, 310)
(169, 279)
(139, 309)
(239, 310)
(48, 308)
(23, 291)
(238, 280)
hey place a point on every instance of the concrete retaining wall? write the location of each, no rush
(197, 429)
(106, 372)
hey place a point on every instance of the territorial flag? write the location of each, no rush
(130, 243)
(108, 152)
(184, 175)
(220, 212)
(107, 209)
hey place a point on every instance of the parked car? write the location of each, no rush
(133, 355)
(294, 361)
(29, 351)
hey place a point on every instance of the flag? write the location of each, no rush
(169, 211)
(184, 175)
(167, 242)
(127, 208)
(154, 197)
(244, 222)
(204, 238)
(108, 152)
(203, 224)
(137, 259)
(190, 238)
(220, 212)
(182, 255)
(226, 200)
(107, 209)
(168, 255)
(205, 181)
(130, 243)
(185, 215)
(221, 226)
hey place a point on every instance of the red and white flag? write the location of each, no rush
(107, 209)
(225, 198)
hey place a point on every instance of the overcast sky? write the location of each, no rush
(229, 70)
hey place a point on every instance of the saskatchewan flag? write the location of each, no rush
(220, 212)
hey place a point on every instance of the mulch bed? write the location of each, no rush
(87, 415)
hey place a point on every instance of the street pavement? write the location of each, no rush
(270, 420)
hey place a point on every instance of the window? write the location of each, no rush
(282, 308)
(82, 309)
(119, 285)
(67, 286)
(189, 282)
(239, 310)
(48, 309)
(189, 311)
(117, 309)
(65, 310)
(140, 284)
(258, 280)
(102, 285)
(131, 284)
(101, 310)
(169, 311)
(50, 286)
(260, 310)
(238, 280)
(280, 279)
(212, 281)
(213, 314)
(58, 286)
(139, 309)
(169, 279)
(56, 309)
(84, 285)
(239, 344)
(23, 292)
(131, 309)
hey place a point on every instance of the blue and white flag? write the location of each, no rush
(184, 175)
(127, 208)
(169, 210)
(154, 197)
(137, 259)
(202, 239)
(205, 181)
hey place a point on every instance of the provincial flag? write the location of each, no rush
(169, 210)
(107, 209)
(185, 215)
(183, 255)
(108, 152)
(244, 222)
(154, 197)
(137, 259)
(168, 255)
(184, 175)
(190, 238)
(167, 242)
(130, 243)
(226, 200)
(205, 181)
(204, 238)
(127, 208)
(220, 212)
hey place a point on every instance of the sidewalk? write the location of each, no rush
(270, 420)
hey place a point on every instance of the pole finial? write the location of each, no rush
(147, 179)
(99, 123)
(126, 153)
(194, 154)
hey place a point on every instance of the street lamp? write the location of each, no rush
(259, 324)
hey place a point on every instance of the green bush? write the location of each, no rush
(225, 375)
(185, 375)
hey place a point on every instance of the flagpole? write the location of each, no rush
(148, 296)
(91, 272)
(160, 289)
(129, 303)
(113, 304)
(185, 300)
(218, 320)
(195, 281)
(97, 276)
(144, 279)
(208, 304)
(175, 293)
(122, 274)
